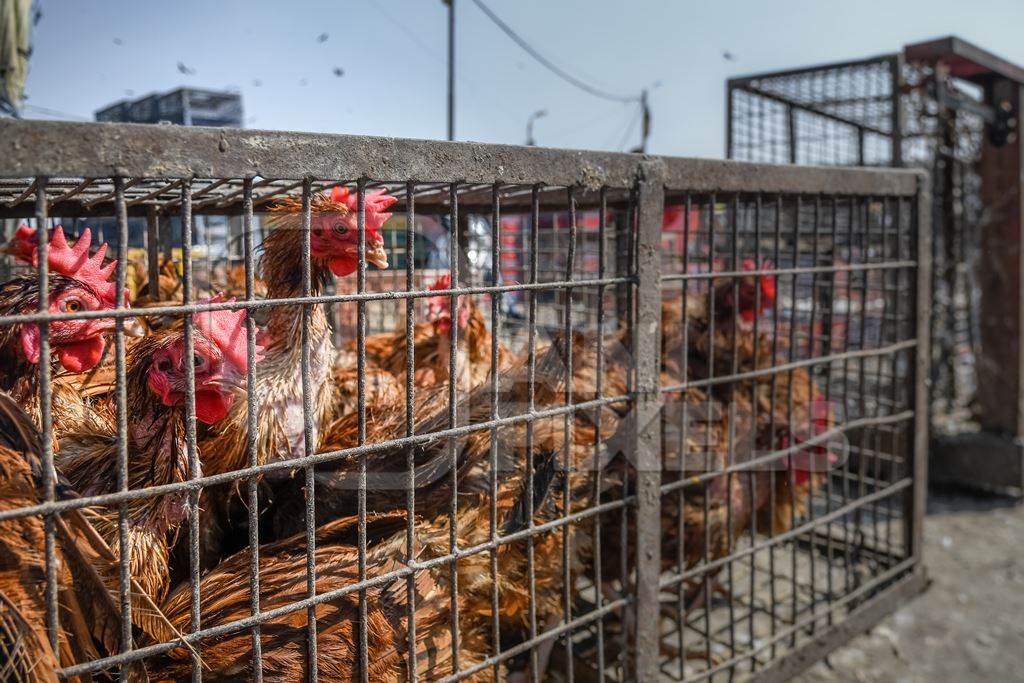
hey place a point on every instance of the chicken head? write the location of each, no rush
(817, 457)
(219, 361)
(335, 229)
(439, 308)
(742, 299)
(71, 260)
(77, 344)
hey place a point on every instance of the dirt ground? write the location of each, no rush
(969, 625)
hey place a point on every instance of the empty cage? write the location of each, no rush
(374, 409)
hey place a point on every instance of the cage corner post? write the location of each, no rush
(916, 500)
(647, 434)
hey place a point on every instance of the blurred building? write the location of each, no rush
(184, 106)
(187, 107)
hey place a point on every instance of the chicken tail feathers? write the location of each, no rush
(544, 470)
(25, 654)
(18, 433)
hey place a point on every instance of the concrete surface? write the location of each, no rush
(969, 625)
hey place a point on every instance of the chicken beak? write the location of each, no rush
(236, 383)
(376, 255)
(133, 327)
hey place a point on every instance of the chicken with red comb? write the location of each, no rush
(334, 248)
(72, 260)
(331, 228)
(439, 308)
(219, 359)
(156, 372)
(748, 418)
(747, 297)
(78, 283)
(432, 342)
(279, 386)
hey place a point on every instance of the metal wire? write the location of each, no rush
(124, 542)
(309, 443)
(252, 432)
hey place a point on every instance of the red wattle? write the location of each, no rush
(343, 265)
(212, 406)
(81, 355)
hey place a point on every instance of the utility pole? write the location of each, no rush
(451, 68)
(645, 123)
(540, 113)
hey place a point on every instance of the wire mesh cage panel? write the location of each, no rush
(841, 114)
(889, 111)
(787, 426)
(354, 408)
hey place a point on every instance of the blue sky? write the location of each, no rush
(393, 55)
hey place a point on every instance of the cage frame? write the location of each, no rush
(41, 150)
(1001, 85)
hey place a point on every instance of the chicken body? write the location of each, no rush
(432, 344)
(156, 455)
(156, 452)
(704, 432)
(279, 385)
(23, 637)
(561, 481)
(282, 567)
(24, 645)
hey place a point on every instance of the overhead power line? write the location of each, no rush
(521, 42)
(56, 113)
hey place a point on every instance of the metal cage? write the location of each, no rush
(697, 445)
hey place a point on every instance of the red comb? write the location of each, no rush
(767, 288)
(374, 204)
(442, 282)
(69, 260)
(23, 245)
(226, 328)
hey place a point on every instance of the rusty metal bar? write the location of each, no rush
(252, 433)
(187, 292)
(916, 504)
(308, 431)
(46, 417)
(88, 150)
(646, 437)
(121, 407)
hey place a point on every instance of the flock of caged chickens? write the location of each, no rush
(552, 466)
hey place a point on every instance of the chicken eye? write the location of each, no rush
(198, 361)
(164, 365)
(340, 228)
(72, 305)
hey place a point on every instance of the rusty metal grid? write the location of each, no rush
(799, 544)
(594, 606)
(888, 111)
